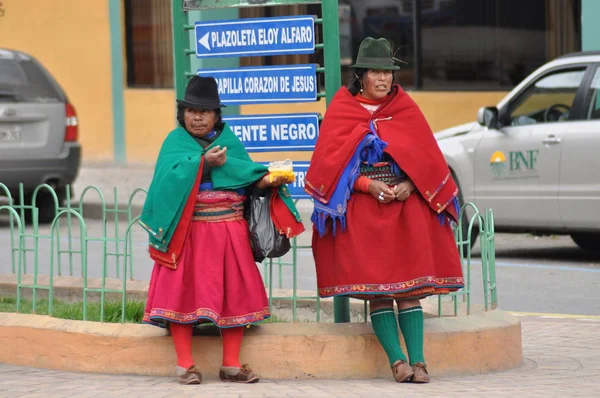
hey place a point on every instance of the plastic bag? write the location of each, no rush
(265, 240)
(283, 168)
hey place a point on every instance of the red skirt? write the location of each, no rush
(394, 250)
(216, 279)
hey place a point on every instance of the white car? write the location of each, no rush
(534, 158)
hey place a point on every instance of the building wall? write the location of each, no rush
(149, 116)
(590, 28)
(71, 39)
(74, 44)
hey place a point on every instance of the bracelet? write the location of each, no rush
(362, 184)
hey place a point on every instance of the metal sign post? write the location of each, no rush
(268, 84)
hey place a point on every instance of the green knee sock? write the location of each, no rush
(411, 324)
(386, 330)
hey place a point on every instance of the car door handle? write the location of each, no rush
(551, 140)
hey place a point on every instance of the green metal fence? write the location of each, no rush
(69, 238)
(484, 223)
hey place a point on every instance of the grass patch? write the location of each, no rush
(134, 310)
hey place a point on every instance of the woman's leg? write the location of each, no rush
(410, 318)
(384, 324)
(231, 369)
(187, 372)
(182, 339)
(232, 343)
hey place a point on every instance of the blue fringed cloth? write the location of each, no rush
(369, 151)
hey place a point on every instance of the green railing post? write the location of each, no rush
(333, 81)
(181, 42)
(331, 50)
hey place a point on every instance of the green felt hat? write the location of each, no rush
(375, 54)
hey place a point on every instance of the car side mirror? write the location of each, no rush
(488, 117)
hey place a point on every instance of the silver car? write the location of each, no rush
(534, 158)
(38, 132)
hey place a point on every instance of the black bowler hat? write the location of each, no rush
(201, 93)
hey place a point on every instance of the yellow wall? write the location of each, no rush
(71, 38)
(149, 116)
(447, 109)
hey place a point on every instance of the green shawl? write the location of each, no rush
(176, 169)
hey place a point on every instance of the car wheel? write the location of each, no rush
(46, 207)
(465, 224)
(587, 241)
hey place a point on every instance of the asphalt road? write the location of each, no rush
(540, 275)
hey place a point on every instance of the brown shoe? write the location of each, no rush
(402, 371)
(238, 375)
(190, 376)
(421, 375)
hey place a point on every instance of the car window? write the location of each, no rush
(593, 110)
(22, 80)
(549, 99)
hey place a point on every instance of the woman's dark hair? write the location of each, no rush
(219, 124)
(355, 84)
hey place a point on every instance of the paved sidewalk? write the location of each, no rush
(562, 360)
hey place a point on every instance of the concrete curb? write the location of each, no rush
(467, 345)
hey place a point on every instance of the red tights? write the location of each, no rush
(182, 339)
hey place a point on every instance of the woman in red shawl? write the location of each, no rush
(384, 200)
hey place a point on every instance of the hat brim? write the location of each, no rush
(376, 67)
(201, 105)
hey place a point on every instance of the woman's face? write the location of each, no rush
(377, 84)
(199, 122)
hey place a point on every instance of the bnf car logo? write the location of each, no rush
(498, 163)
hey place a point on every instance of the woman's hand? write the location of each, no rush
(216, 156)
(381, 191)
(403, 190)
(265, 183)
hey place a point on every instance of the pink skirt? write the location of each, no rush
(216, 279)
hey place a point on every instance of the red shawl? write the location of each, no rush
(402, 125)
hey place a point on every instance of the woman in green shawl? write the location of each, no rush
(204, 270)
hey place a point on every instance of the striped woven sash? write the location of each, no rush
(382, 171)
(218, 206)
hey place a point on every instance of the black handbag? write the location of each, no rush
(265, 240)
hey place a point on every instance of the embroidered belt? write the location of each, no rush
(215, 206)
(382, 172)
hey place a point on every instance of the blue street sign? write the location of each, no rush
(297, 187)
(276, 133)
(255, 36)
(265, 85)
